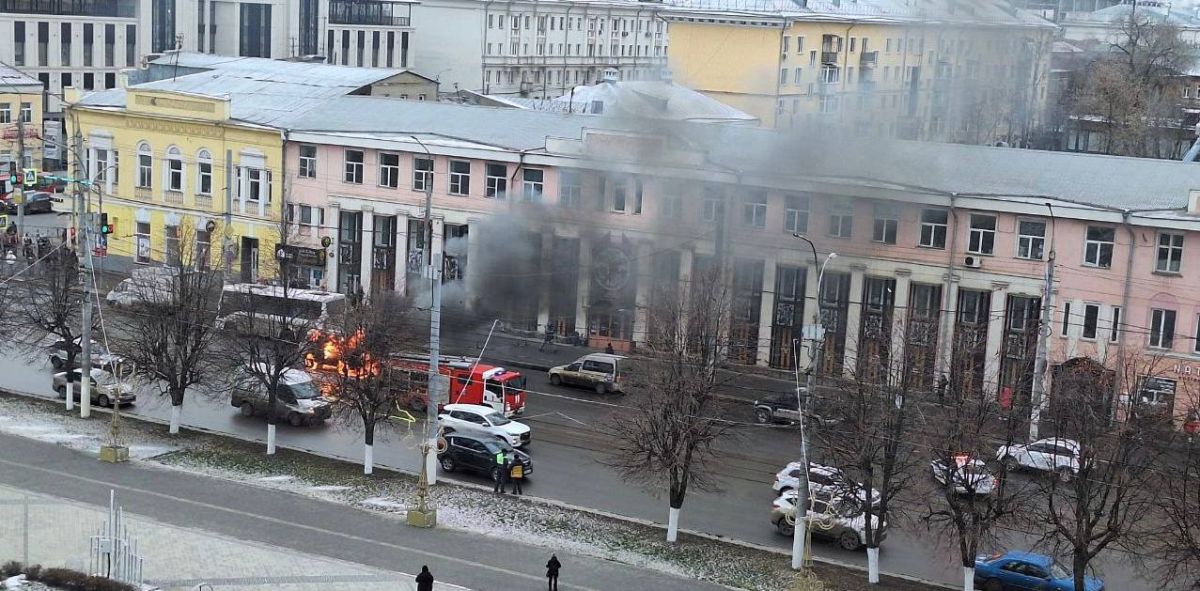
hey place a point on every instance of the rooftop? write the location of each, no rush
(974, 12)
(12, 79)
(647, 99)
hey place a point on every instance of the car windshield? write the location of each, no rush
(1058, 572)
(497, 419)
(304, 390)
(105, 379)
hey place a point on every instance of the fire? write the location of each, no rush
(332, 351)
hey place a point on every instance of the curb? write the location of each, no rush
(528, 498)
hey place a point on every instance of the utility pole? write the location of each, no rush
(435, 339)
(18, 188)
(226, 240)
(84, 231)
(1038, 396)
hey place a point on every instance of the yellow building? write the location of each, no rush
(964, 70)
(193, 152)
(21, 108)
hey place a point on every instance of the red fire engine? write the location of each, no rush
(471, 382)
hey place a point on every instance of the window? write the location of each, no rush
(570, 188)
(145, 166)
(754, 210)
(422, 174)
(143, 242)
(174, 169)
(204, 172)
(1031, 239)
(672, 207)
(982, 239)
(389, 170)
(19, 43)
(796, 218)
(783, 76)
(1098, 248)
(460, 177)
(1114, 327)
(841, 221)
(1196, 340)
(203, 249)
(171, 243)
(308, 162)
(1170, 253)
(714, 208)
(258, 184)
(531, 188)
(27, 112)
(933, 228)
(496, 180)
(5, 112)
(354, 167)
(312, 216)
(619, 195)
(1066, 323)
(887, 219)
(1162, 328)
(1091, 318)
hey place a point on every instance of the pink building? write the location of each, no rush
(576, 224)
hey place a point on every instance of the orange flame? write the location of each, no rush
(332, 352)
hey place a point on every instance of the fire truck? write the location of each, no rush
(471, 382)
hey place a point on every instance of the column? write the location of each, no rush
(584, 287)
(812, 311)
(766, 313)
(685, 284)
(475, 228)
(946, 327)
(899, 333)
(367, 258)
(332, 258)
(438, 239)
(545, 270)
(641, 296)
(853, 319)
(995, 336)
(401, 280)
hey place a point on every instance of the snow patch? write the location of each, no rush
(329, 488)
(279, 478)
(384, 503)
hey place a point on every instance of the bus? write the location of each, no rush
(260, 310)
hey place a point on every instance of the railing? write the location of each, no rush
(829, 57)
(369, 12)
(868, 59)
(203, 201)
(173, 197)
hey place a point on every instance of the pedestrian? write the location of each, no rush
(425, 579)
(608, 349)
(1192, 425)
(501, 472)
(941, 388)
(552, 573)
(549, 338)
(516, 473)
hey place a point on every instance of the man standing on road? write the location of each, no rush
(425, 580)
(501, 472)
(516, 473)
(552, 572)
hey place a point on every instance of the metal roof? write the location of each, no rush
(12, 79)
(964, 12)
(652, 99)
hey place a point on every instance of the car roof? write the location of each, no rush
(487, 440)
(477, 408)
(1071, 443)
(1030, 557)
(610, 357)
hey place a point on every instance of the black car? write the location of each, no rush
(477, 453)
(784, 408)
(35, 202)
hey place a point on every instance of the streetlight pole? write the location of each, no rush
(1038, 397)
(800, 535)
(429, 458)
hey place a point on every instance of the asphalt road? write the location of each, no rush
(568, 449)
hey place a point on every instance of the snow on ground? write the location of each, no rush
(36, 420)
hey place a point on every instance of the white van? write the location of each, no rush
(602, 372)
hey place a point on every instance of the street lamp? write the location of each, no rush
(816, 333)
(1038, 395)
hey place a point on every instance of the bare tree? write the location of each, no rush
(1105, 500)
(167, 330)
(671, 440)
(50, 302)
(368, 394)
(1176, 541)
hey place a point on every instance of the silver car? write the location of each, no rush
(105, 387)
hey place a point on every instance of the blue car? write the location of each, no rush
(1026, 571)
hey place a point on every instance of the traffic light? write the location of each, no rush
(105, 227)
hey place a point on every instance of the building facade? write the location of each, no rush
(21, 110)
(541, 49)
(972, 74)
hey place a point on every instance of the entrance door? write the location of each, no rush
(249, 260)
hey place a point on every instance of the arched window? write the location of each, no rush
(145, 165)
(204, 172)
(174, 170)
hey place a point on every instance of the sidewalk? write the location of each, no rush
(53, 532)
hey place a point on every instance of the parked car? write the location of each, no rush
(969, 475)
(1026, 571)
(35, 202)
(1060, 456)
(133, 291)
(105, 388)
(477, 453)
(483, 419)
(101, 357)
(822, 480)
(602, 372)
(298, 400)
(829, 517)
(784, 408)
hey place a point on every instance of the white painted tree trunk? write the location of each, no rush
(873, 566)
(70, 396)
(673, 525)
(431, 464)
(85, 398)
(176, 413)
(968, 578)
(798, 544)
(270, 439)
(368, 458)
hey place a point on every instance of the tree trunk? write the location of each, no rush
(70, 396)
(1079, 568)
(369, 449)
(968, 578)
(673, 525)
(873, 565)
(270, 439)
(176, 412)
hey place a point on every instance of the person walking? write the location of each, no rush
(552, 573)
(516, 473)
(501, 472)
(608, 349)
(425, 579)
(548, 338)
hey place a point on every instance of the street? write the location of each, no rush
(568, 448)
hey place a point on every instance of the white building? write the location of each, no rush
(540, 49)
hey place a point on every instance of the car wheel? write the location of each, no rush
(295, 420)
(448, 463)
(247, 409)
(1010, 463)
(62, 392)
(762, 416)
(447, 430)
(785, 490)
(602, 388)
(784, 528)
(56, 362)
(993, 585)
(849, 541)
(103, 401)
(555, 380)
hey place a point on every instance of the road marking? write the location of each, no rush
(581, 400)
(311, 528)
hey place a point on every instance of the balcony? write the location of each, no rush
(829, 57)
(868, 59)
(93, 8)
(370, 12)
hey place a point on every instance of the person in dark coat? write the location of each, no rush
(552, 572)
(608, 349)
(425, 580)
(516, 473)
